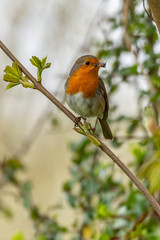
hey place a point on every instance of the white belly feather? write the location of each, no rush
(86, 107)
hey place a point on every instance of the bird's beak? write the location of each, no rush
(101, 64)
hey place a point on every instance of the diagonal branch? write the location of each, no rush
(102, 146)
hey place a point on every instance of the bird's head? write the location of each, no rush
(86, 64)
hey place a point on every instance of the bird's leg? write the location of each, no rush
(93, 129)
(90, 128)
(86, 124)
(78, 119)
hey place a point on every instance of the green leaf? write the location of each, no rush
(125, 72)
(40, 238)
(156, 81)
(132, 126)
(34, 213)
(11, 84)
(14, 163)
(105, 236)
(27, 202)
(155, 97)
(44, 64)
(36, 62)
(71, 200)
(136, 202)
(18, 236)
(6, 211)
(47, 65)
(115, 143)
(90, 186)
(27, 187)
(41, 65)
(102, 211)
(139, 153)
(12, 74)
(150, 170)
(114, 88)
(67, 186)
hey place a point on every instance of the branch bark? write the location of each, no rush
(103, 147)
(154, 6)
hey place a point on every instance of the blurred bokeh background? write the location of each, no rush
(31, 127)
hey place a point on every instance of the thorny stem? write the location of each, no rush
(103, 147)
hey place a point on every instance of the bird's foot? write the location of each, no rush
(86, 124)
(78, 119)
(93, 128)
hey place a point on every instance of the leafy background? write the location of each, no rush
(105, 205)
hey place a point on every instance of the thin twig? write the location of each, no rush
(103, 147)
(139, 221)
(125, 22)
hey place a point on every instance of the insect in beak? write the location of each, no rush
(100, 64)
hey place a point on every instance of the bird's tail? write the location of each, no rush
(106, 129)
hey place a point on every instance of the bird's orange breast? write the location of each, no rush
(83, 81)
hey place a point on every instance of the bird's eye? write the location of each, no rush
(87, 63)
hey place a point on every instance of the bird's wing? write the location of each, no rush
(103, 90)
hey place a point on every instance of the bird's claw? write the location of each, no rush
(93, 128)
(78, 119)
(86, 124)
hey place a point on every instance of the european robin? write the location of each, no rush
(85, 91)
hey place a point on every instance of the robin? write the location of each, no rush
(85, 91)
